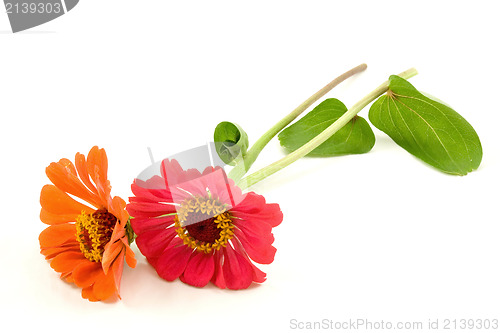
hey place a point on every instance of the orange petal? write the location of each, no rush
(88, 293)
(69, 165)
(63, 176)
(56, 235)
(120, 240)
(117, 208)
(111, 253)
(97, 163)
(81, 166)
(130, 257)
(55, 201)
(86, 273)
(67, 261)
(49, 218)
(68, 278)
(50, 253)
(104, 287)
(117, 270)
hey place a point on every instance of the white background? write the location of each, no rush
(379, 236)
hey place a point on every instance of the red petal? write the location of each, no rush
(223, 187)
(173, 173)
(153, 243)
(252, 203)
(258, 275)
(149, 209)
(254, 228)
(258, 249)
(143, 224)
(218, 277)
(272, 214)
(172, 263)
(238, 272)
(268, 213)
(199, 270)
(153, 190)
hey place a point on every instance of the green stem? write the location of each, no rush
(322, 137)
(243, 166)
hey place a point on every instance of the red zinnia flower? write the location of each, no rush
(200, 227)
(86, 245)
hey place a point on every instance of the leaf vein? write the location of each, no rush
(444, 114)
(433, 131)
(413, 136)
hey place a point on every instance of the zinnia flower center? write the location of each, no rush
(93, 232)
(203, 224)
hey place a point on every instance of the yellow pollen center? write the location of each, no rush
(204, 224)
(93, 232)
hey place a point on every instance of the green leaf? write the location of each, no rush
(426, 128)
(356, 137)
(231, 141)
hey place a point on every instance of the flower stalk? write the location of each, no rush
(244, 164)
(322, 137)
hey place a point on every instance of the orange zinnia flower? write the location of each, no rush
(87, 244)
